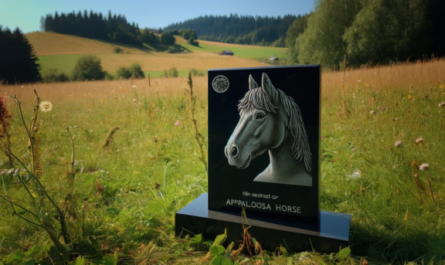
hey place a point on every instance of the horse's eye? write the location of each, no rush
(260, 116)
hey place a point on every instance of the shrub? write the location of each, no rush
(118, 50)
(167, 38)
(193, 42)
(108, 76)
(88, 68)
(126, 73)
(196, 72)
(123, 72)
(53, 76)
(172, 72)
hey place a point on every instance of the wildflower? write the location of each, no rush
(384, 108)
(395, 119)
(177, 123)
(441, 104)
(442, 86)
(45, 106)
(426, 96)
(134, 100)
(409, 97)
(102, 100)
(424, 166)
(354, 175)
(123, 90)
(398, 143)
(419, 140)
(134, 86)
(372, 112)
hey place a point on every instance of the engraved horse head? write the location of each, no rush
(271, 121)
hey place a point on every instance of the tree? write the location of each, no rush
(297, 28)
(18, 62)
(88, 68)
(167, 38)
(385, 31)
(148, 37)
(322, 40)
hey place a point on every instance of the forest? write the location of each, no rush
(240, 29)
(92, 25)
(18, 62)
(369, 32)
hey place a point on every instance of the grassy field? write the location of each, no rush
(58, 51)
(242, 51)
(120, 212)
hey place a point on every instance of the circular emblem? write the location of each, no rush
(220, 84)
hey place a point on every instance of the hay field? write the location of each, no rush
(397, 209)
(58, 51)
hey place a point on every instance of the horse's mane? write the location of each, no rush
(256, 98)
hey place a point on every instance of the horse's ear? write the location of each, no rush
(267, 86)
(252, 83)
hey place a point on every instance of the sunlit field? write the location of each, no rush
(61, 52)
(379, 127)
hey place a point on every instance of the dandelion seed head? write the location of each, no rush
(45, 106)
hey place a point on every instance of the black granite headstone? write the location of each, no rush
(264, 134)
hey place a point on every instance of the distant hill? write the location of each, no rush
(267, 31)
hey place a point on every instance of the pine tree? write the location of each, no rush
(18, 62)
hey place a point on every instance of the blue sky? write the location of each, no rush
(26, 14)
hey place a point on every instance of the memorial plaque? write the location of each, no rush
(264, 131)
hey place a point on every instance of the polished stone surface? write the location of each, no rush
(226, 183)
(332, 234)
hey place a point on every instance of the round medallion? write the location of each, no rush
(220, 84)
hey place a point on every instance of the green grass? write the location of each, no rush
(156, 74)
(149, 148)
(248, 52)
(63, 63)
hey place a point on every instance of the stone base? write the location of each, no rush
(332, 234)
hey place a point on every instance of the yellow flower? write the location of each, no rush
(409, 97)
(45, 106)
(102, 100)
(442, 86)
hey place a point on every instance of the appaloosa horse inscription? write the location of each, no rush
(271, 121)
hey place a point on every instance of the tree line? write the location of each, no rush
(18, 62)
(240, 29)
(369, 32)
(93, 25)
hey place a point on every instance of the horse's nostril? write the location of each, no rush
(234, 151)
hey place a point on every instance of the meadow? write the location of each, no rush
(58, 51)
(126, 194)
